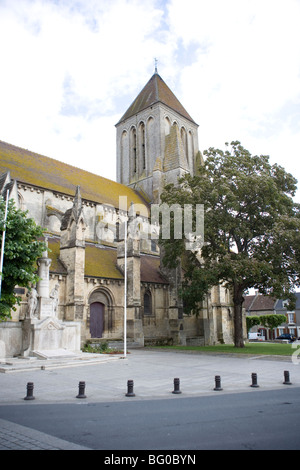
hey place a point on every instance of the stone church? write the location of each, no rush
(81, 212)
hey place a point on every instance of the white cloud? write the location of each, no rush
(244, 81)
(70, 69)
(66, 65)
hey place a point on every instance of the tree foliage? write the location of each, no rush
(22, 248)
(268, 321)
(272, 320)
(251, 321)
(251, 229)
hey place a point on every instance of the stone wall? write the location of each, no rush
(10, 339)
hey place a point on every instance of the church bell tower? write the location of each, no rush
(157, 141)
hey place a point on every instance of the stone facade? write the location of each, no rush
(83, 215)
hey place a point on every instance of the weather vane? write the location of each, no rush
(155, 61)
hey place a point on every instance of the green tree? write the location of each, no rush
(251, 229)
(268, 321)
(251, 321)
(22, 248)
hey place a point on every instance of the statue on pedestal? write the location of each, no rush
(54, 297)
(32, 303)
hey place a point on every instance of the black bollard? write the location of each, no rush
(176, 390)
(81, 390)
(287, 378)
(218, 383)
(130, 389)
(29, 395)
(254, 381)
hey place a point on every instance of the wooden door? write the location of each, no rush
(96, 319)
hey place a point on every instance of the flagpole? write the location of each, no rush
(3, 241)
(125, 289)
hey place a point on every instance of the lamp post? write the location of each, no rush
(3, 241)
(125, 288)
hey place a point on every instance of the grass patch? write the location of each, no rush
(269, 349)
(101, 348)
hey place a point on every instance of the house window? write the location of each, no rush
(291, 317)
(147, 303)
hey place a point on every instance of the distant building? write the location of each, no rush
(264, 305)
(292, 325)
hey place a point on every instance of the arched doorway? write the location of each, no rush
(100, 319)
(96, 319)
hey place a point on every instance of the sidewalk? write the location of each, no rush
(16, 437)
(153, 373)
(106, 380)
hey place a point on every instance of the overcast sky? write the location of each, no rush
(70, 69)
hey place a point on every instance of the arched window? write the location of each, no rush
(150, 141)
(167, 125)
(142, 149)
(184, 141)
(191, 151)
(147, 303)
(124, 145)
(133, 151)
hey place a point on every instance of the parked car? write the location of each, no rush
(287, 336)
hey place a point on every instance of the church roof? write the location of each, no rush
(44, 172)
(56, 265)
(150, 270)
(101, 262)
(156, 90)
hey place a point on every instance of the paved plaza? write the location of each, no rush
(106, 380)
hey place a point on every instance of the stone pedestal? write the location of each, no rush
(50, 337)
(45, 308)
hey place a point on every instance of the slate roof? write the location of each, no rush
(150, 270)
(156, 90)
(279, 305)
(44, 172)
(259, 303)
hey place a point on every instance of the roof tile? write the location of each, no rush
(38, 170)
(156, 90)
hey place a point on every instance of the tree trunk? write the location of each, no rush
(238, 300)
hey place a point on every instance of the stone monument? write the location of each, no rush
(44, 335)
